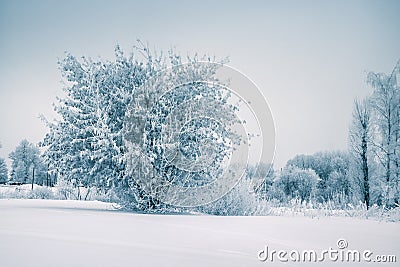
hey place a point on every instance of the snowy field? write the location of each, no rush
(49, 233)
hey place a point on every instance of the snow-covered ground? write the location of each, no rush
(49, 233)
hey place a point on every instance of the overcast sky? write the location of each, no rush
(309, 58)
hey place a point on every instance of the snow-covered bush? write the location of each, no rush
(65, 189)
(25, 192)
(394, 214)
(12, 192)
(41, 192)
(240, 201)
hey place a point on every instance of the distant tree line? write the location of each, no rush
(368, 172)
(27, 166)
(321, 177)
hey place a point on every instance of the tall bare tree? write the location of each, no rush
(360, 138)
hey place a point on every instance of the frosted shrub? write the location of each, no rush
(65, 189)
(239, 201)
(297, 183)
(41, 193)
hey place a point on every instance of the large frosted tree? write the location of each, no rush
(85, 145)
(179, 132)
(386, 107)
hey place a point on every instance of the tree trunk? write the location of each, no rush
(87, 194)
(33, 176)
(365, 169)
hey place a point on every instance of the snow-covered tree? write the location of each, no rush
(85, 144)
(297, 183)
(171, 131)
(3, 171)
(386, 107)
(360, 145)
(25, 163)
(332, 170)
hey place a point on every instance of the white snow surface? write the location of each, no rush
(49, 233)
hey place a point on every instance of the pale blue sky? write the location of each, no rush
(309, 58)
